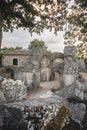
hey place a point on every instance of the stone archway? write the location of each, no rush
(9, 73)
(58, 65)
(56, 55)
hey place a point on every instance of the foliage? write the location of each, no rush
(16, 13)
(76, 29)
(56, 122)
(37, 15)
(10, 49)
(36, 43)
(82, 51)
(49, 52)
(34, 15)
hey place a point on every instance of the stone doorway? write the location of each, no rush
(9, 73)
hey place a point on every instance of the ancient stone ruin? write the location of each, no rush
(58, 111)
(73, 84)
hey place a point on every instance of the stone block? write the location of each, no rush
(68, 79)
(2, 98)
(70, 51)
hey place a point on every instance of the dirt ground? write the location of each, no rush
(45, 87)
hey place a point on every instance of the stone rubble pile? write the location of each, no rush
(77, 111)
(38, 117)
(13, 90)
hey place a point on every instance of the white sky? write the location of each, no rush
(23, 38)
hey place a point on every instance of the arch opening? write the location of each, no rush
(10, 73)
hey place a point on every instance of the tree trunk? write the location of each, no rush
(0, 30)
(0, 37)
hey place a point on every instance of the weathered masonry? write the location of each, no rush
(16, 58)
(30, 66)
(27, 65)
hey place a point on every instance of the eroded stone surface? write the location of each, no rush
(2, 97)
(13, 90)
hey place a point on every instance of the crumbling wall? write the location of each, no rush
(70, 73)
(73, 84)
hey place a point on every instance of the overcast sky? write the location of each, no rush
(23, 38)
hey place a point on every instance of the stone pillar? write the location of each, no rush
(85, 61)
(70, 73)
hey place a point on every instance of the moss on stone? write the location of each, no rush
(57, 121)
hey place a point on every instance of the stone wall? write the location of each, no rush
(45, 74)
(45, 68)
(58, 67)
(8, 60)
(82, 67)
(30, 79)
(45, 62)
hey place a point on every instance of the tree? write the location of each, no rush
(36, 43)
(82, 51)
(77, 23)
(76, 32)
(14, 14)
(10, 49)
(31, 14)
(35, 15)
(18, 48)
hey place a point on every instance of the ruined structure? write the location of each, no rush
(12, 61)
(26, 68)
(73, 84)
(20, 61)
(30, 66)
(16, 58)
(45, 68)
(46, 112)
(70, 73)
(59, 65)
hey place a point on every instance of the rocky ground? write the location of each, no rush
(40, 108)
